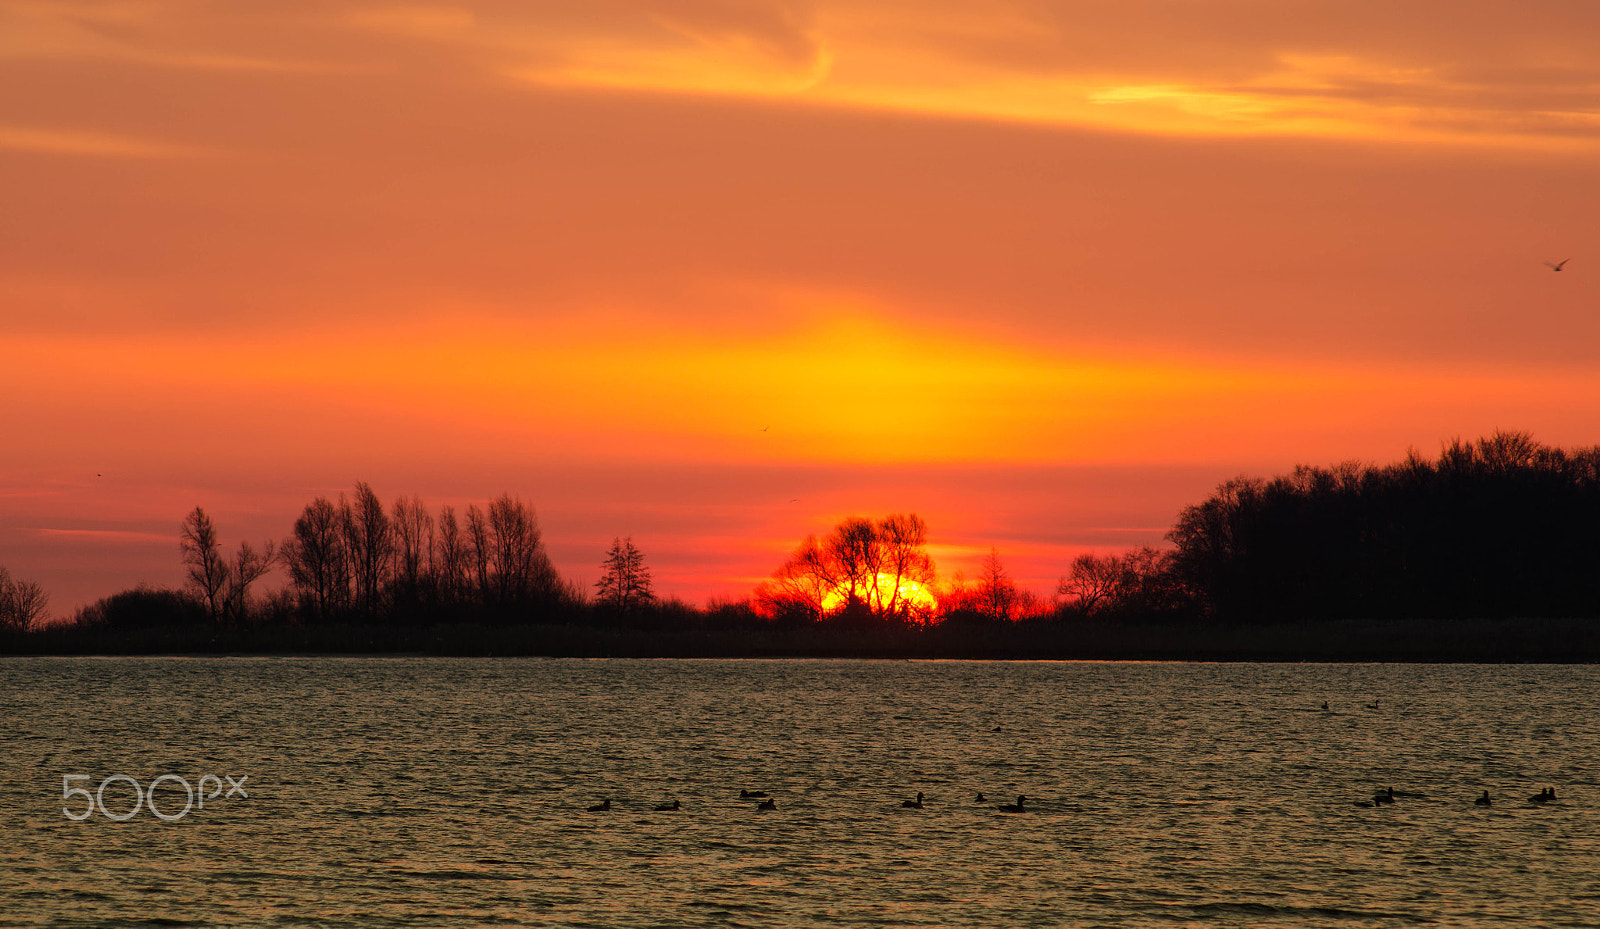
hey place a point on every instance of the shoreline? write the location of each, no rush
(1521, 641)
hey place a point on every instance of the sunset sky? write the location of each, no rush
(715, 274)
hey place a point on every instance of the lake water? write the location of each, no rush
(439, 792)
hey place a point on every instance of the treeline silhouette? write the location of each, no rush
(1494, 530)
(1500, 527)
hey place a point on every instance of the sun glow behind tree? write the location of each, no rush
(887, 589)
(879, 569)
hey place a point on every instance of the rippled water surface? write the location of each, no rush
(438, 792)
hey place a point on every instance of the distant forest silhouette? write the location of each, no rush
(1503, 528)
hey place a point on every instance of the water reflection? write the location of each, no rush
(439, 792)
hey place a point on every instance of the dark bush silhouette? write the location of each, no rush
(145, 608)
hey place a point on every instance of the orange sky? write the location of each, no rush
(1041, 272)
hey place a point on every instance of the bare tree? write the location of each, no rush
(1093, 584)
(522, 569)
(318, 561)
(626, 584)
(997, 592)
(22, 604)
(413, 544)
(800, 586)
(903, 560)
(1139, 580)
(371, 544)
(854, 555)
(480, 551)
(249, 565)
(452, 557)
(207, 571)
(859, 566)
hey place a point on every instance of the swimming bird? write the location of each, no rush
(980, 798)
(768, 804)
(752, 794)
(1014, 807)
(913, 804)
(604, 806)
(1324, 704)
(1483, 800)
(1384, 798)
(666, 807)
(1543, 796)
(1556, 265)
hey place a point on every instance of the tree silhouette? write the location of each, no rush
(318, 559)
(453, 557)
(1495, 528)
(859, 569)
(520, 567)
(22, 603)
(370, 540)
(902, 558)
(625, 585)
(997, 592)
(480, 553)
(249, 566)
(207, 572)
(1093, 584)
(1137, 583)
(413, 550)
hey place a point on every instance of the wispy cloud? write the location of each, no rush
(92, 144)
(110, 536)
(1473, 72)
(1097, 69)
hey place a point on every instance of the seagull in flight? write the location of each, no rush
(1556, 265)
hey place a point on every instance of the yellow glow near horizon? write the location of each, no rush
(814, 393)
(810, 394)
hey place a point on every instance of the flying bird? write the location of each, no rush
(1556, 265)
